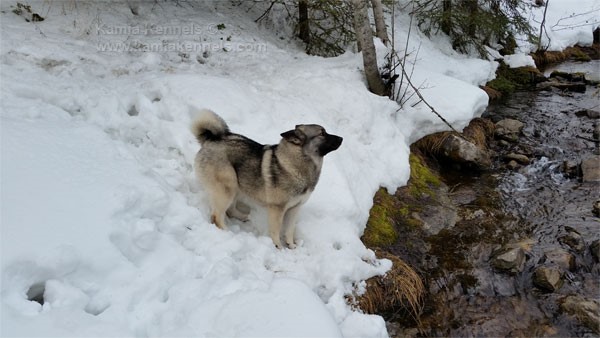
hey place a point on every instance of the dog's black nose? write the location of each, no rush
(332, 142)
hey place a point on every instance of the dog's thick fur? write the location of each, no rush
(280, 177)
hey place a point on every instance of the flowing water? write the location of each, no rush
(531, 207)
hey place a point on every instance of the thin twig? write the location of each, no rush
(266, 12)
(427, 103)
(587, 139)
(542, 29)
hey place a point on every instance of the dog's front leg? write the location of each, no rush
(289, 222)
(275, 220)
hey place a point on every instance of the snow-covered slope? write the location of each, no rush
(99, 202)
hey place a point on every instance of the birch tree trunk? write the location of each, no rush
(380, 29)
(364, 36)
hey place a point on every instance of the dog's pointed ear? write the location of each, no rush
(295, 136)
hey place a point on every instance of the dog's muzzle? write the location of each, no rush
(332, 142)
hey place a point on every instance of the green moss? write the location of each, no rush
(523, 75)
(380, 231)
(502, 85)
(510, 79)
(392, 212)
(421, 178)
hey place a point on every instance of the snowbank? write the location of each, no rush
(565, 25)
(99, 202)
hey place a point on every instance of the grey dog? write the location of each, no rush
(234, 169)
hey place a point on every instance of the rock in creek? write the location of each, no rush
(596, 208)
(586, 311)
(548, 278)
(570, 168)
(572, 239)
(509, 129)
(595, 250)
(563, 86)
(561, 258)
(519, 158)
(590, 169)
(459, 150)
(511, 260)
(512, 165)
(593, 114)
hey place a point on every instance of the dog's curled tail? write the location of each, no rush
(208, 126)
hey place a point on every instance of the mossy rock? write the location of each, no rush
(520, 75)
(526, 75)
(509, 79)
(380, 231)
(502, 85)
(422, 179)
(390, 211)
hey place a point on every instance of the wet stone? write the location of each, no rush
(459, 150)
(586, 311)
(593, 114)
(548, 278)
(596, 208)
(573, 240)
(561, 258)
(512, 165)
(595, 250)
(519, 158)
(590, 169)
(596, 132)
(570, 168)
(564, 86)
(511, 260)
(509, 129)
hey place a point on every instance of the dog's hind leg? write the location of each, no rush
(275, 220)
(235, 212)
(222, 190)
(289, 222)
(220, 201)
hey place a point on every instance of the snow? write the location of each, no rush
(565, 26)
(519, 60)
(99, 204)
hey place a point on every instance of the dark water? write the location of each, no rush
(531, 207)
(547, 202)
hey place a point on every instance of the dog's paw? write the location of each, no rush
(239, 215)
(291, 245)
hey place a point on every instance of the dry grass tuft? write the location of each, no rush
(432, 143)
(492, 93)
(480, 131)
(401, 288)
(545, 58)
(577, 53)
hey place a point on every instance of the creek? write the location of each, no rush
(538, 208)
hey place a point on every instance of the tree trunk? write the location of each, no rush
(303, 27)
(380, 29)
(446, 22)
(364, 35)
(472, 9)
